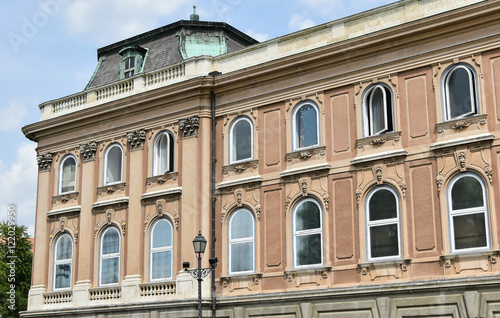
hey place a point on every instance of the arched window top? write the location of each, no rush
(241, 242)
(383, 224)
(305, 125)
(378, 110)
(460, 91)
(113, 164)
(67, 174)
(468, 213)
(63, 261)
(163, 153)
(241, 140)
(161, 250)
(109, 256)
(307, 229)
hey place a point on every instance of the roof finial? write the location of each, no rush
(194, 16)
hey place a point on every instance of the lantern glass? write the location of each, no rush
(199, 244)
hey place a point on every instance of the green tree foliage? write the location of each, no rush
(15, 269)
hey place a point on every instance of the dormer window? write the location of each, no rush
(132, 61)
(129, 67)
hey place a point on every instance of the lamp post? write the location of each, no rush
(199, 245)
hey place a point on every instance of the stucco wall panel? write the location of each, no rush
(416, 103)
(341, 122)
(273, 230)
(344, 216)
(423, 213)
(271, 137)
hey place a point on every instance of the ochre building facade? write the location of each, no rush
(354, 171)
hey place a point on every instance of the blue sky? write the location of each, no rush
(49, 50)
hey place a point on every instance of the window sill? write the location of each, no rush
(111, 188)
(65, 197)
(241, 166)
(306, 169)
(245, 281)
(106, 203)
(169, 177)
(239, 182)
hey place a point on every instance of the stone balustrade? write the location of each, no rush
(105, 293)
(153, 290)
(58, 298)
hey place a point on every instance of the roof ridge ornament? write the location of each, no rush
(194, 16)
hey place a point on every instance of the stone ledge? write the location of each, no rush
(72, 209)
(462, 141)
(292, 172)
(99, 204)
(149, 195)
(232, 183)
(379, 156)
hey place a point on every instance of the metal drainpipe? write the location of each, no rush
(214, 161)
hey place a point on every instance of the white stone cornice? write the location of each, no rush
(232, 183)
(379, 156)
(149, 195)
(307, 169)
(99, 204)
(462, 141)
(77, 208)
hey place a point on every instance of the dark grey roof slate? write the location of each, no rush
(163, 48)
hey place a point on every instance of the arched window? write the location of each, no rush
(383, 224)
(305, 126)
(163, 153)
(113, 164)
(109, 257)
(460, 97)
(377, 110)
(241, 140)
(63, 261)
(67, 175)
(161, 250)
(241, 236)
(307, 229)
(468, 213)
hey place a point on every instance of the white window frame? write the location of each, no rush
(111, 255)
(370, 224)
(295, 133)
(62, 262)
(105, 166)
(61, 172)
(296, 234)
(469, 211)
(131, 69)
(232, 146)
(368, 110)
(156, 153)
(232, 242)
(472, 90)
(167, 248)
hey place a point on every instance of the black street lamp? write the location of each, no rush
(199, 244)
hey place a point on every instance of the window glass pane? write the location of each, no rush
(111, 242)
(307, 216)
(377, 110)
(466, 193)
(64, 248)
(307, 126)
(383, 205)
(242, 140)
(308, 249)
(162, 265)
(114, 165)
(68, 177)
(460, 95)
(241, 257)
(162, 154)
(109, 270)
(384, 240)
(162, 234)
(470, 231)
(241, 225)
(63, 276)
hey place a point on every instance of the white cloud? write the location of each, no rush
(261, 37)
(300, 22)
(18, 183)
(12, 115)
(114, 20)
